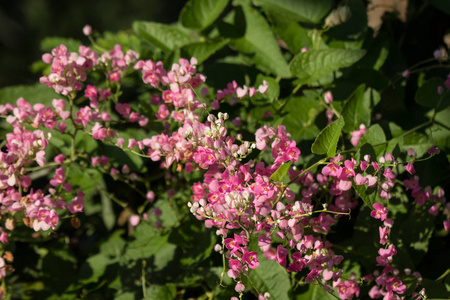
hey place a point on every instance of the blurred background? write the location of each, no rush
(24, 23)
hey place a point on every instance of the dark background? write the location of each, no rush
(24, 23)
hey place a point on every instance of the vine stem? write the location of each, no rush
(144, 291)
(251, 282)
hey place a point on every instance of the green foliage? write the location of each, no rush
(279, 174)
(271, 277)
(313, 65)
(259, 42)
(327, 140)
(356, 110)
(199, 14)
(301, 10)
(170, 254)
(163, 36)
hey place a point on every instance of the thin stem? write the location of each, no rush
(144, 291)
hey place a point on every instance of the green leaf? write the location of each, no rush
(146, 244)
(326, 141)
(201, 51)
(434, 289)
(94, 268)
(312, 65)
(163, 36)
(169, 216)
(114, 245)
(368, 195)
(49, 43)
(375, 136)
(427, 95)
(90, 181)
(123, 38)
(301, 114)
(161, 292)
(199, 14)
(300, 10)
(260, 42)
(197, 243)
(279, 174)
(356, 110)
(38, 93)
(270, 277)
(295, 36)
(443, 5)
(273, 91)
(419, 142)
(315, 292)
(109, 218)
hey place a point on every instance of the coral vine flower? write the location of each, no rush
(250, 259)
(379, 212)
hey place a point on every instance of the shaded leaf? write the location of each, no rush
(368, 195)
(260, 42)
(199, 14)
(108, 216)
(161, 292)
(295, 36)
(427, 95)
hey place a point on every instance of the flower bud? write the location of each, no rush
(87, 30)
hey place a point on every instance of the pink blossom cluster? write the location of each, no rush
(387, 282)
(233, 92)
(436, 201)
(68, 69)
(116, 62)
(23, 149)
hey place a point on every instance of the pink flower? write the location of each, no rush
(98, 132)
(250, 259)
(433, 150)
(328, 97)
(59, 159)
(134, 220)
(357, 134)
(150, 196)
(263, 88)
(281, 255)
(58, 178)
(163, 112)
(379, 212)
(447, 225)
(234, 244)
(4, 238)
(40, 158)
(123, 109)
(239, 288)
(87, 30)
(410, 168)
